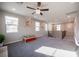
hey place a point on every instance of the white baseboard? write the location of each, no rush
(11, 42)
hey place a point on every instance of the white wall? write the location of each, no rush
(76, 30)
(0, 22)
(69, 28)
(22, 29)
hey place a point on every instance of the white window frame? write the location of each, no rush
(58, 27)
(50, 27)
(46, 28)
(37, 26)
(11, 24)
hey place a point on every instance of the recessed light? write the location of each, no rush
(68, 16)
(13, 9)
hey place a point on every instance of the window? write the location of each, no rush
(50, 27)
(11, 24)
(37, 26)
(45, 27)
(58, 27)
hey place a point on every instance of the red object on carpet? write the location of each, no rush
(29, 39)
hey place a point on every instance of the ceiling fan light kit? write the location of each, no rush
(38, 10)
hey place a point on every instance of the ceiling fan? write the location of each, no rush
(38, 10)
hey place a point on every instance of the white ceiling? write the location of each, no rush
(57, 10)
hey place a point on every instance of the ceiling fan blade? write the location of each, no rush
(38, 4)
(44, 9)
(41, 14)
(31, 8)
(33, 13)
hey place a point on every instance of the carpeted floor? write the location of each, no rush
(42, 47)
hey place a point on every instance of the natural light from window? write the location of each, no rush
(46, 50)
(37, 26)
(46, 27)
(50, 51)
(11, 24)
(58, 27)
(50, 27)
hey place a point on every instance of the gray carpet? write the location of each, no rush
(22, 49)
